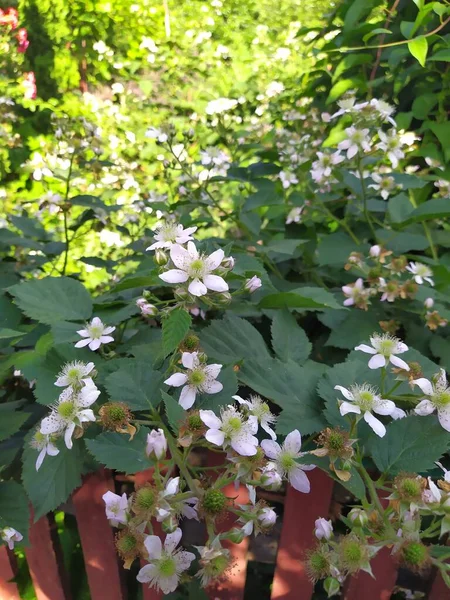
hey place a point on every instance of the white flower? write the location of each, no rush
(389, 291)
(323, 529)
(214, 156)
(295, 214)
(323, 167)
(156, 134)
(357, 139)
(429, 303)
(270, 478)
(385, 185)
(354, 292)
(10, 536)
(156, 443)
(168, 505)
(169, 234)
(257, 517)
(267, 517)
(231, 430)
(437, 397)
(384, 348)
(214, 561)
(200, 378)
(95, 334)
(375, 251)
(220, 105)
(287, 179)
(116, 508)
(147, 309)
(363, 399)
(155, 197)
(253, 284)
(195, 268)
(70, 410)
(420, 272)
(284, 460)
(74, 374)
(260, 409)
(391, 145)
(165, 563)
(45, 445)
(384, 109)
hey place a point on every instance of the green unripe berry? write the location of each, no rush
(145, 498)
(214, 501)
(318, 565)
(194, 422)
(415, 555)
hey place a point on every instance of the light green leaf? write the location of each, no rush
(135, 384)
(412, 444)
(117, 451)
(288, 338)
(376, 31)
(53, 299)
(174, 329)
(418, 47)
(14, 511)
(58, 476)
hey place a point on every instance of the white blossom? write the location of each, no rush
(195, 268)
(383, 184)
(323, 167)
(95, 334)
(71, 410)
(354, 292)
(220, 105)
(168, 234)
(45, 445)
(437, 397)
(287, 179)
(384, 348)
(231, 429)
(156, 134)
(270, 477)
(147, 309)
(74, 374)
(166, 563)
(261, 410)
(199, 378)
(284, 458)
(10, 536)
(391, 145)
(363, 399)
(214, 561)
(116, 508)
(356, 140)
(168, 504)
(295, 214)
(214, 156)
(384, 109)
(323, 529)
(156, 443)
(420, 273)
(252, 284)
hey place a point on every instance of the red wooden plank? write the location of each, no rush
(291, 580)
(139, 479)
(232, 588)
(45, 561)
(380, 588)
(438, 590)
(8, 568)
(97, 538)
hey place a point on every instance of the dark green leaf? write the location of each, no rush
(135, 384)
(117, 451)
(288, 339)
(11, 422)
(174, 329)
(14, 511)
(174, 412)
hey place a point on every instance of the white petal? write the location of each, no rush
(213, 387)
(106, 339)
(215, 436)
(188, 359)
(424, 385)
(401, 347)
(215, 283)
(214, 260)
(252, 424)
(424, 408)
(345, 392)
(347, 407)
(213, 370)
(377, 361)
(96, 322)
(197, 288)
(68, 435)
(442, 379)
(245, 445)
(51, 424)
(153, 546)
(40, 458)
(180, 256)
(147, 573)
(269, 430)
(384, 407)
(293, 442)
(184, 559)
(174, 276)
(52, 450)
(271, 449)
(444, 418)
(83, 343)
(172, 540)
(176, 379)
(398, 362)
(299, 480)
(172, 486)
(168, 584)
(241, 400)
(84, 333)
(210, 419)
(95, 345)
(375, 424)
(366, 348)
(187, 396)
(107, 331)
(86, 415)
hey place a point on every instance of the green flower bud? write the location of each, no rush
(161, 258)
(331, 586)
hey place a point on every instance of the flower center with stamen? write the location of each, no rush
(197, 268)
(167, 566)
(287, 462)
(386, 347)
(232, 426)
(196, 377)
(441, 399)
(66, 409)
(365, 400)
(95, 332)
(167, 232)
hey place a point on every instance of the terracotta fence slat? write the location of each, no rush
(438, 589)
(380, 588)
(291, 581)
(97, 538)
(8, 566)
(45, 562)
(234, 585)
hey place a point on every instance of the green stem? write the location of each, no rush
(65, 211)
(430, 241)
(364, 196)
(374, 496)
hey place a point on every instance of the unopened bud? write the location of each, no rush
(223, 298)
(358, 517)
(331, 586)
(429, 303)
(235, 535)
(161, 258)
(252, 284)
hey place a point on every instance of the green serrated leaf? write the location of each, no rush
(288, 339)
(14, 511)
(412, 444)
(11, 422)
(135, 384)
(117, 451)
(58, 476)
(307, 298)
(174, 329)
(174, 412)
(52, 299)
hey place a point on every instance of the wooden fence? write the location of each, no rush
(105, 575)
